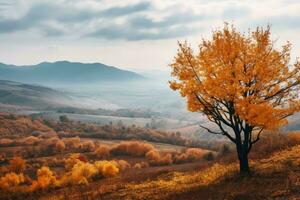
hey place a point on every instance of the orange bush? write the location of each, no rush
(106, 168)
(271, 142)
(82, 173)
(122, 165)
(71, 161)
(192, 154)
(195, 154)
(60, 146)
(155, 158)
(132, 148)
(17, 164)
(10, 181)
(71, 143)
(45, 179)
(87, 146)
(141, 165)
(102, 152)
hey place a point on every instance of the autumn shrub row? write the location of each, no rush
(154, 157)
(77, 172)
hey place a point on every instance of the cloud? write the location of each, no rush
(135, 19)
(177, 18)
(125, 10)
(41, 15)
(126, 32)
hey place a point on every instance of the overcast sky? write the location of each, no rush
(130, 34)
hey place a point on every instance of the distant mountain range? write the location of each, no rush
(19, 94)
(34, 97)
(65, 72)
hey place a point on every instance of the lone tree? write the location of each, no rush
(241, 82)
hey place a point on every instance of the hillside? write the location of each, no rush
(19, 94)
(276, 177)
(65, 72)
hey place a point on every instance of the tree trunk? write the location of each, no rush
(243, 158)
(244, 165)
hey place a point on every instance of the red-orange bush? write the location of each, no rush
(132, 148)
(155, 158)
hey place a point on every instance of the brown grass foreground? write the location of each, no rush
(277, 177)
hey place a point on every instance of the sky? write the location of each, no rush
(130, 34)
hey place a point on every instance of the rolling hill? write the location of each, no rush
(19, 94)
(65, 72)
(32, 97)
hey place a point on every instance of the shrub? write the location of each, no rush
(6, 142)
(106, 168)
(45, 179)
(31, 140)
(102, 152)
(71, 143)
(63, 119)
(209, 156)
(195, 154)
(71, 161)
(271, 142)
(181, 158)
(2, 157)
(17, 164)
(60, 146)
(11, 180)
(87, 146)
(192, 155)
(141, 165)
(137, 166)
(155, 158)
(123, 165)
(131, 148)
(82, 172)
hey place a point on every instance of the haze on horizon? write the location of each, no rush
(130, 34)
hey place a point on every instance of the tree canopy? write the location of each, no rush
(240, 81)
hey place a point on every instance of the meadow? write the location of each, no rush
(49, 159)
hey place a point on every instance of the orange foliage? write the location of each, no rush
(71, 143)
(242, 83)
(107, 168)
(132, 148)
(11, 180)
(45, 179)
(244, 70)
(123, 165)
(71, 160)
(82, 173)
(195, 154)
(141, 165)
(155, 158)
(87, 146)
(17, 164)
(60, 146)
(102, 152)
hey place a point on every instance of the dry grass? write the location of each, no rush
(282, 167)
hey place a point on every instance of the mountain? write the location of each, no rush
(65, 72)
(13, 93)
(39, 97)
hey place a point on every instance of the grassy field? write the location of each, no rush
(166, 123)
